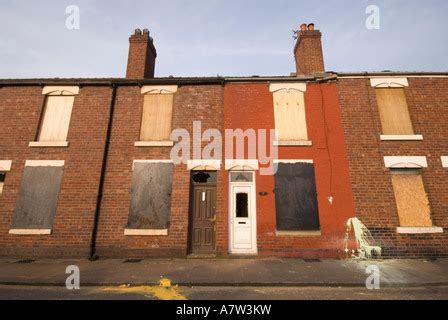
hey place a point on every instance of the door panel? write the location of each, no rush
(202, 224)
(242, 219)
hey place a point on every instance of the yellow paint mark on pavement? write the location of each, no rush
(163, 291)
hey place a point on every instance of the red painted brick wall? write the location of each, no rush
(251, 106)
(20, 110)
(191, 103)
(372, 186)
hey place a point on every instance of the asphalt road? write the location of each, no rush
(225, 293)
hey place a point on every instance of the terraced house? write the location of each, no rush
(87, 166)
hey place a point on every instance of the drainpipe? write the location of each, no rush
(92, 255)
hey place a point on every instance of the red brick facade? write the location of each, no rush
(251, 106)
(191, 103)
(427, 99)
(343, 124)
(20, 111)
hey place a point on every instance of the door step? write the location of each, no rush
(201, 256)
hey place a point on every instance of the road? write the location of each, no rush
(222, 293)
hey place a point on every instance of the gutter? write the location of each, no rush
(92, 255)
(390, 74)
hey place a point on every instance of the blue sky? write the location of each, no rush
(225, 37)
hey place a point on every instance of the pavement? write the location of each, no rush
(225, 293)
(253, 272)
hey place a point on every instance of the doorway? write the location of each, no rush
(242, 213)
(202, 213)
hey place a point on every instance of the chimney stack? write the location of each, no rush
(142, 56)
(308, 51)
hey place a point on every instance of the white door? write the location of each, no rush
(243, 239)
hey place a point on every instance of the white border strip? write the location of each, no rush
(48, 144)
(37, 232)
(405, 162)
(444, 162)
(205, 165)
(60, 90)
(158, 89)
(305, 143)
(5, 165)
(241, 164)
(395, 137)
(293, 161)
(288, 86)
(407, 230)
(390, 82)
(145, 232)
(44, 163)
(166, 143)
(151, 161)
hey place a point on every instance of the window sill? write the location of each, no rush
(48, 144)
(394, 137)
(298, 233)
(154, 144)
(145, 232)
(37, 232)
(417, 230)
(291, 143)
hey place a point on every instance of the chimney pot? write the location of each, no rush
(146, 32)
(138, 32)
(308, 51)
(303, 27)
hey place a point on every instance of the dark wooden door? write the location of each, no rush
(202, 223)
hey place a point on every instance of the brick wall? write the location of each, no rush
(372, 186)
(191, 103)
(251, 106)
(20, 111)
(141, 57)
(308, 53)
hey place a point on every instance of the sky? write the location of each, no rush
(218, 37)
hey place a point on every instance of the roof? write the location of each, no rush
(211, 80)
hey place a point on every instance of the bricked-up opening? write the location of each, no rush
(156, 117)
(150, 196)
(308, 51)
(289, 112)
(411, 198)
(56, 120)
(142, 56)
(38, 197)
(296, 197)
(394, 113)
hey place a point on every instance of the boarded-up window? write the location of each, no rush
(156, 118)
(394, 113)
(150, 196)
(38, 197)
(410, 196)
(2, 181)
(296, 198)
(290, 119)
(56, 119)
